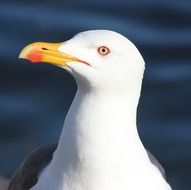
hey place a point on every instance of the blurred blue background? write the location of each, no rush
(34, 99)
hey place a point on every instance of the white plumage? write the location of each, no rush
(99, 148)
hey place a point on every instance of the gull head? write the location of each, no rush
(98, 59)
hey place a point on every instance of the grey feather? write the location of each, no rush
(155, 162)
(27, 174)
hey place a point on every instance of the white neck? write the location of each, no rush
(99, 148)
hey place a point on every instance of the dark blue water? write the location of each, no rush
(34, 99)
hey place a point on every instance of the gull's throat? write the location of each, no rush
(93, 146)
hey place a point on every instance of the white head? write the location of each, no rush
(98, 59)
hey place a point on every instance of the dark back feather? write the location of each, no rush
(27, 174)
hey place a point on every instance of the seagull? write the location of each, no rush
(99, 147)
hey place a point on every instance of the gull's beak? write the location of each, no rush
(46, 52)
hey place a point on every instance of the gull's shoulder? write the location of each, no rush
(27, 174)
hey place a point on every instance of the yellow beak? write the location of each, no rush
(46, 52)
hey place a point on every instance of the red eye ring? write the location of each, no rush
(103, 50)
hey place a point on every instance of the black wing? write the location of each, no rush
(26, 175)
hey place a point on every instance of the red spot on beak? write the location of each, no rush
(35, 57)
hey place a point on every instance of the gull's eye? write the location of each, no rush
(103, 50)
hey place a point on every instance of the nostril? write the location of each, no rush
(44, 48)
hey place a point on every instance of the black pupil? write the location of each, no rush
(103, 50)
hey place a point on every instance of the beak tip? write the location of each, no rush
(20, 56)
(23, 54)
(30, 55)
